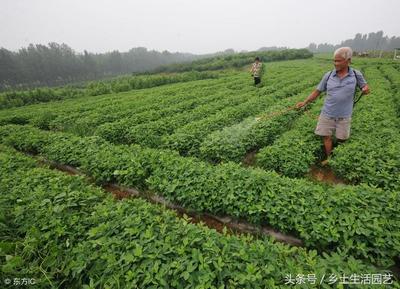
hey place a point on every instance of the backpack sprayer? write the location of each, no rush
(357, 98)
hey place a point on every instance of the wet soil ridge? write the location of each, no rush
(218, 223)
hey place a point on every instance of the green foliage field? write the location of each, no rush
(188, 138)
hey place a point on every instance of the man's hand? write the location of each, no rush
(365, 89)
(300, 104)
(309, 99)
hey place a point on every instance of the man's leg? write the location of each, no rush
(328, 145)
(342, 128)
(325, 128)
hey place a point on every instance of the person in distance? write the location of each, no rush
(257, 70)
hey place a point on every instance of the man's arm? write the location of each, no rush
(365, 89)
(309, 99)
(361, 82)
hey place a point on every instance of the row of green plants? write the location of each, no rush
(84, 115)
(360, 221)
(64, 115)
(187, 139)
(18, 98)
(120, 130)
(293, 153)
(113, 120)
(147, 127)
(149, 133)
(122, 84)
(151, 127)
(371, 154)
(237, 60)
(38, 95)
(186, 100)
(63, 233)
(393, 75)
(156, 103)
(233, 142)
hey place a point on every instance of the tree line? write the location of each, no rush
(58, 64)
(361, 43)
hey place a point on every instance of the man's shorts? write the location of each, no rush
(326, 126)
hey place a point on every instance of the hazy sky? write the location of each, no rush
(196, 26)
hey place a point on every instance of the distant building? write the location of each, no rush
(362, 54)
(396, 53)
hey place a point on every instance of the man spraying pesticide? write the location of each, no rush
(340, 85)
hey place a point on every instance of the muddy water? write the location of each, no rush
(324, 174)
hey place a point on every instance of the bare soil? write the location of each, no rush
(325, 174)
(250, 158)
(116, 192)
